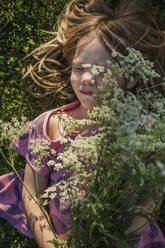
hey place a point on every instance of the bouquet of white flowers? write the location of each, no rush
(117, 159)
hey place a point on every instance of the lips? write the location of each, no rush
(86, 92)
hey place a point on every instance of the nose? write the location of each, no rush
(87, 78)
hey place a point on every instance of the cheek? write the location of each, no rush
(99, 80)
(75, 79)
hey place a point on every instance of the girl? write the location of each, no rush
(88, 31)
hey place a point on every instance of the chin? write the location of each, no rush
(88, 106)
(87, 103)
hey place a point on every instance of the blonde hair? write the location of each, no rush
(126, 25)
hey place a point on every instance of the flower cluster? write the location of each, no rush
(40, 149)
(122, 153)
(134, 64)
(96, 70)
(9, 131)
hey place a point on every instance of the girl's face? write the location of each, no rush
(83, 82)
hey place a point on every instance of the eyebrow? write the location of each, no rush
(80, 63)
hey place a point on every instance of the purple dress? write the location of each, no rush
(11, 205)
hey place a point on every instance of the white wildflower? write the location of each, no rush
(40, 149)
(96, 70)
(10, 131)
(86, 66)
(51, 163)
(58, 166)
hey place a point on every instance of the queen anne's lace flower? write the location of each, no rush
(11, 130)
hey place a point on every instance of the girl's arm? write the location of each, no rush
(36, 220)
(140, 222)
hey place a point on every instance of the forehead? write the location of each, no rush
(90, 50)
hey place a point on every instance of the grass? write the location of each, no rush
(12, 238)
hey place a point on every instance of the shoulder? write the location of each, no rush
(39, 124)
(53, 127)
(48, 125)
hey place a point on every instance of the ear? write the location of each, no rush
(131, 85)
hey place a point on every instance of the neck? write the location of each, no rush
(80, 113)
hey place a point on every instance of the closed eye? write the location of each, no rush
(77, 68)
